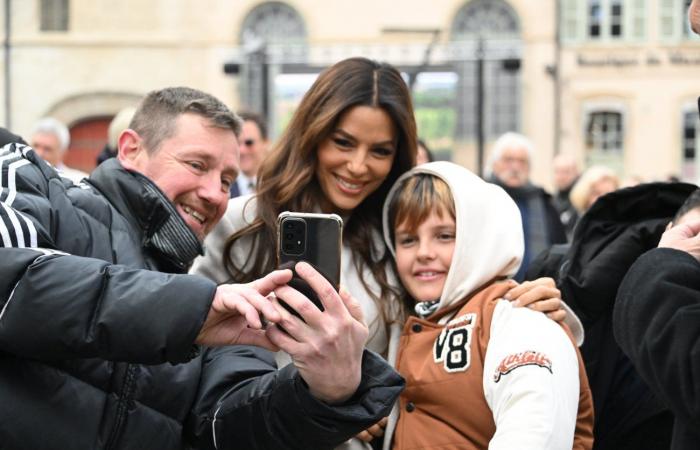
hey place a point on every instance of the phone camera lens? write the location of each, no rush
(290, 235)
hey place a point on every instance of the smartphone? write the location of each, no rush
(314, 238)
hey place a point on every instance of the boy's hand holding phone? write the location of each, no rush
(326, 346)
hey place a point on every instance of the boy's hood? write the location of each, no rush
(489, 242)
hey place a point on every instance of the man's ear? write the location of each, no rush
(130, 149)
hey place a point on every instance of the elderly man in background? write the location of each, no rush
(510, 168)
(50, 138)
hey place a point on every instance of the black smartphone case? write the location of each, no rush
(322, 247)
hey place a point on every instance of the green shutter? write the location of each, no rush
(573, 20)
(635, 23)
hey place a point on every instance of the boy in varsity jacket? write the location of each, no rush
(480, 373)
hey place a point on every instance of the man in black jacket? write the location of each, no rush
(106, 342)
(657, 322)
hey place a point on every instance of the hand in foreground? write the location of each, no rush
(375, 431)
(234, 317)
(326, 347)
(539, 295)
(683, 237)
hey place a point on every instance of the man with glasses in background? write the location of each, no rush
(253, 147)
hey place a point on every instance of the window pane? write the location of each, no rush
(594, 18)
(54, 15)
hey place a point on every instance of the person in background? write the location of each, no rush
(106, 342)
(657, 321)
(595, 182)
(253, 144)
(657, 314)
(424, 154)
(50, 139)
(119, 123)
(509, 168)
(566, 172)
(480, 372)
(618, 228)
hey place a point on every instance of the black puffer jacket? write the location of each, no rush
(612, 234)
(97, 353)
(657, 323)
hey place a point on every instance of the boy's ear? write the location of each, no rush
(130, 149)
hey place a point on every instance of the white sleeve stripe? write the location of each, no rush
(6, 160)
(33, 240)
(213, 422)
(5, 233)
(11, 180)
(18, 227)
(9, 299)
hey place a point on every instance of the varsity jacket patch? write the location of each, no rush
(527, 358)
(452, 347)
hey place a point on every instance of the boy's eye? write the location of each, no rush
(405, 240)
(446, 237)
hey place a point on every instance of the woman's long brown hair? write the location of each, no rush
(287, 177)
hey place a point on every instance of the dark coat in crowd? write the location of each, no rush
(612, 234)
(106, 153)
(567, 213)
(541, 225)
(80, 370)
(657, 323)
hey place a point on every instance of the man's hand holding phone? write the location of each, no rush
(238, 310)
(326, 346)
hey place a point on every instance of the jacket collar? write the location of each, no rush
(145, 206)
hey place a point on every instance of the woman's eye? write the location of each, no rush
(383, 151)
(341, 142)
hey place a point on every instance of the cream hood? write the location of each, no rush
(489, 241)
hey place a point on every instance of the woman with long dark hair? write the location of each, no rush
(351, 137)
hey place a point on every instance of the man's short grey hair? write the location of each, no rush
(49, 125)
(156, 115)
(510, 140)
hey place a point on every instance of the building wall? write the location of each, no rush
(115, 51)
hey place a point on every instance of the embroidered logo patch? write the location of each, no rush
(452, 347)
(528, 358)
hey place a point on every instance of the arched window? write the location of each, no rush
(273, 32)
(273, 23)
(485, 18)
(494, 26)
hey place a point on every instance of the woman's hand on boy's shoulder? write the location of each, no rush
(539, 295)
